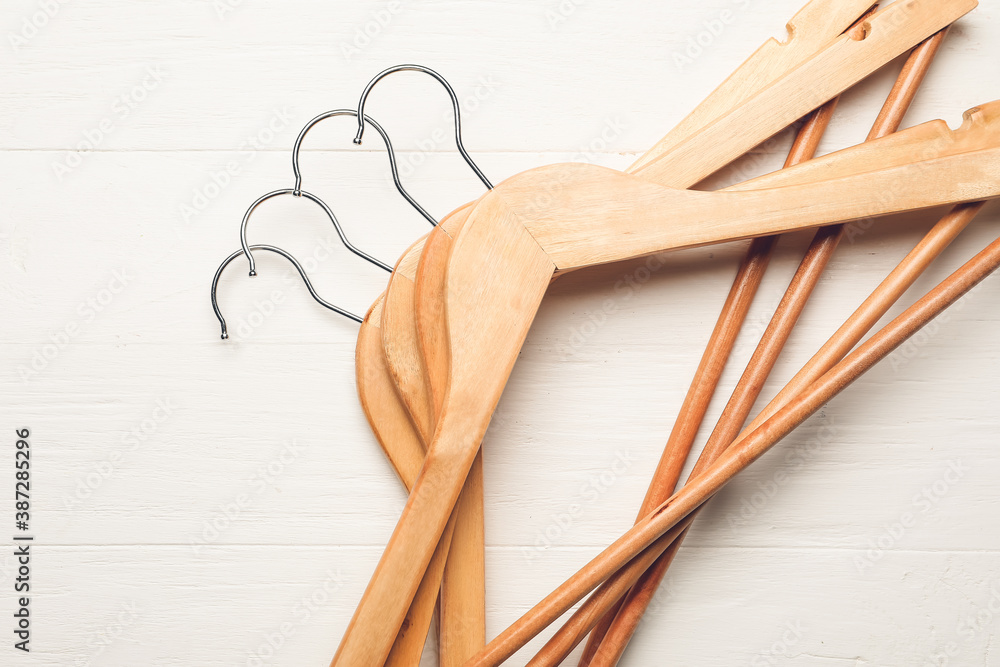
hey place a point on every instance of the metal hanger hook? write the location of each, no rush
(298, 267)
(456, 108)
(297, 190)
(326, 209)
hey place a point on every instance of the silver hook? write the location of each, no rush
(326, 209)
(388, 147)
(456, 107)
(298, 267)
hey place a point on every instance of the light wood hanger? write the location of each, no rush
(672, 517)
(569, 216)
(879, 35)
(463, 594)
(465, 571)
(426, 316)
(429, 299)
(898, 149)
(793, 41)
(769, 61)
(901, 150)
(809, 31)
(399, 439)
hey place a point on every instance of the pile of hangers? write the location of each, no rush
(436, 349)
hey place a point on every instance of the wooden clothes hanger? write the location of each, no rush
(898, 149)
(394, 316)
(423, 395)
(810, 29)
(398, 437)
(517, 280)
(875, 307)
(843, 55)
(510, 247)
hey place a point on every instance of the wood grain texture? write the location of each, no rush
(395, 431)
(390, 420)
(583, 196)
(462, 621)
(599, 216)
(402, 349)
(458, 564)
(463, 626)
(875, 306)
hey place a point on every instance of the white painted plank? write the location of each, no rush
(542, 84)
(102, 606)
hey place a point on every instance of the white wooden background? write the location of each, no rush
(207, 503)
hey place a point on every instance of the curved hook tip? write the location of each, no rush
(253, 273)
(224, 336)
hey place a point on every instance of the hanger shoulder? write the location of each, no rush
(812, 28)
(499, 273)
(889, 33)
(407, 264)
(980, 127)
(387, 415)
(429, 313)
(432, 330)
(457, 567)
(397, 436)
(596, 215)
(401, 349)
(400, 339)
(463, 612)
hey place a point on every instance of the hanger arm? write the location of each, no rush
(889, 33)
(812, 29)
(751, 125)
(602, 216)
